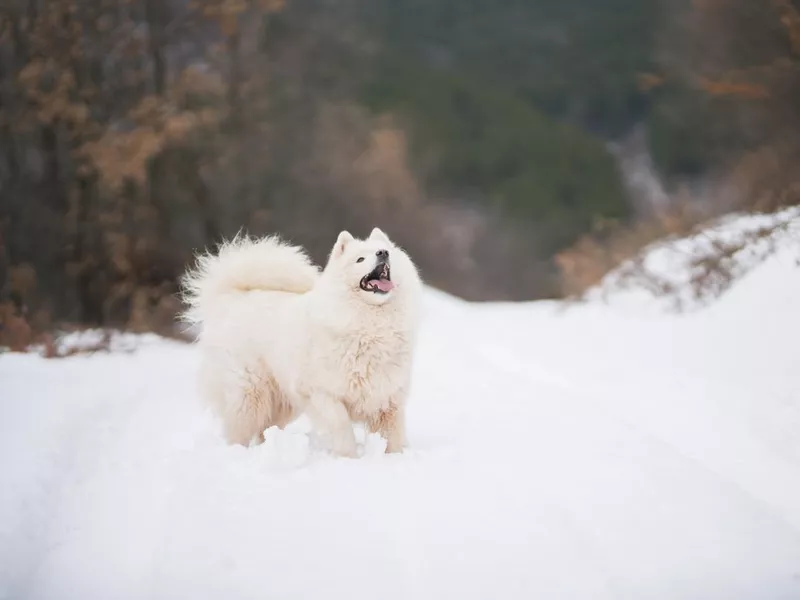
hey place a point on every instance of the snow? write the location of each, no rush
(556, 452)
(673, 264)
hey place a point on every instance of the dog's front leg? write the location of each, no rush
(391, 424)
(330, 417)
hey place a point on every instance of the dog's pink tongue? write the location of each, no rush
(384, 285)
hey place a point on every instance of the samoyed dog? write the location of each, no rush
(280, 338)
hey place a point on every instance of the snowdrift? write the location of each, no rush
(693, 272)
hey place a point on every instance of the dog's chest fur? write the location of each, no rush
(366, 369)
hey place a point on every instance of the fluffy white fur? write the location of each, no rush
(280, 338)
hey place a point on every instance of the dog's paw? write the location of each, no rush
(345, 452)
(394, 449)
(344, 445)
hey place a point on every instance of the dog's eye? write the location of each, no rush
(360, 259)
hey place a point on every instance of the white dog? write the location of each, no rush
(280, 338)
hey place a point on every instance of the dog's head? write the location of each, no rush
(375, 269)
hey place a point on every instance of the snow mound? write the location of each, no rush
(91, 341)
(692, 272)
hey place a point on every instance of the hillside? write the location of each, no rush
(476, 132)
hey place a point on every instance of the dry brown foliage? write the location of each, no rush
(713, 262)
(695, 263)
(15, 332)
(588, 261)
(112, 115)
(767, 179)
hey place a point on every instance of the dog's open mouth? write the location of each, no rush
(379, 280)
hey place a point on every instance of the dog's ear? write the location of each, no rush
(377, 234)
(341, 243)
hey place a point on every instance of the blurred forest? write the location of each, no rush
(478, 133)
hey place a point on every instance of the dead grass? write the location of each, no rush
(694, 263)
(610, 244)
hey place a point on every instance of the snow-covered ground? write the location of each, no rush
(556, 453)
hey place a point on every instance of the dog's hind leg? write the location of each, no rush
(254, 405)
(245, 423)
(330, 418)
(283, 414)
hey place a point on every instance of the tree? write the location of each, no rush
(736, 64)
(109, 110)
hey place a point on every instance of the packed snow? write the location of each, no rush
(556, 452)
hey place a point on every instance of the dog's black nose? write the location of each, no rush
(382, 254)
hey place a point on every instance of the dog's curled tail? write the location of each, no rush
(243, 264)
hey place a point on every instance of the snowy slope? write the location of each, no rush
(555, 453)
